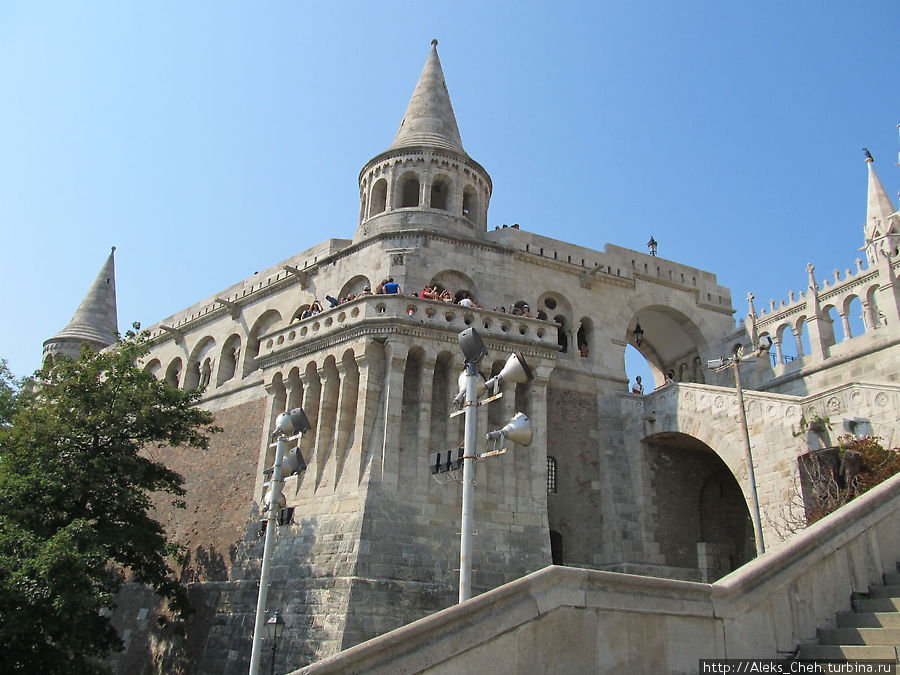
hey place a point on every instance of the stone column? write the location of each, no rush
(395, 366)
(423, 433)
(274, 407)
(366, 410)
(797, 338)
(779, 355)
(845, 322)
(329, 376)
(346, 416)
(311, 390)
(538, 449)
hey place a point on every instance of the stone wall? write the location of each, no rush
(218, 483)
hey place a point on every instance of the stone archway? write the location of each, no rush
(698, 516)
(670, 340)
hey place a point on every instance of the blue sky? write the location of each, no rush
(209, 140)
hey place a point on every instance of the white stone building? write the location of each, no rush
(652, 484)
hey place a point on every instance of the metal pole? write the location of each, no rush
(271, 526)
(274, 646)
(465, 537)
(754, 499)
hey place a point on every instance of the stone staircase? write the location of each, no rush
(870, 631)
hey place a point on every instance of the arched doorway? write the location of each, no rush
(667, 339)
(698, 515)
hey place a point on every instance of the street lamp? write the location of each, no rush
(274, 629)
(288, 426)
(638, 333)
(652, 245)
(765, 343)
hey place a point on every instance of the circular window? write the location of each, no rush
(354, 312)
(342, 316)
(281, 339)
(303, 331)
(269, 344)
(329, 321)
(550, 303)
(292, 335)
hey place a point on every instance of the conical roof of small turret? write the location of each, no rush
(879, 210)
(429, 118)
(95, 320)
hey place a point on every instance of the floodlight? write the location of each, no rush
(765, 343)
(293, 422)
(517, 430)
(715, 363)
(461, 381)
(267, 500)
(293, 463)
(515, 370)
(473, 348)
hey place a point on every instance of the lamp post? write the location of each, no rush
(652, 245)
(285, 424)
(274, 629)
(734, 362)
(518, 430)
(638, 333)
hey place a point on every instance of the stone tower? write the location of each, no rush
(425, 180)
(95, 323)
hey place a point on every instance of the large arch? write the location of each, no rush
(698, 515)
(455, 281)
(669, 338)
(261, 326)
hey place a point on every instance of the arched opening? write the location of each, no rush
(454, 281)
(667, 337)
(354, 287)
(263, 325)
(197, 364)
(585, 337)
(470, 203)
(153, 367)
(636, 366)
(702, 521)
(853, 310)
(229, 358)
(379, 197)
(440, 191)
(830, 326)
(173, 373)
(562, 332)
(362, 208)
(409, 190)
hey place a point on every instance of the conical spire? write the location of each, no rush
(95, 321)
(882, 226)
(429, 118)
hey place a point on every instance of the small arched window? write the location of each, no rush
(551, 475)
(440, 189)
(409, 191)
(379, 197)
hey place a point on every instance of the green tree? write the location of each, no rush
(77, 476)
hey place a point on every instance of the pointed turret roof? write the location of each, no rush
(879, 209)
(95, 320)
(429, 118)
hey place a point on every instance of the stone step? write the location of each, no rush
(859, 636)
(892, 591)
(876, 604)
(843, 652)
(868, 620)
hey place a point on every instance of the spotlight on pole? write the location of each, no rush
(517, 430)
(289, 423)
(462, 381)
(515, 371)
(473, 348)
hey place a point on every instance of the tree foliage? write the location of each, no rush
(76, 478)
